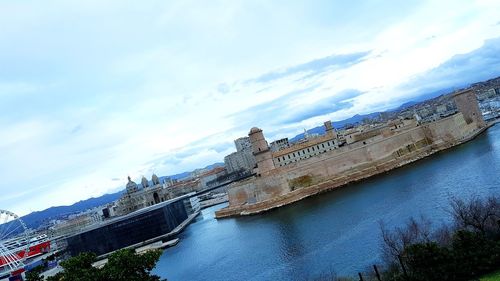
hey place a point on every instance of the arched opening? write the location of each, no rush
(156, 198)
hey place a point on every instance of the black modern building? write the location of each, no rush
(133, 228)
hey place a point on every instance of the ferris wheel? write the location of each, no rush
(14, 242)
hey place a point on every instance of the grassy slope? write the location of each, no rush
(492, 277)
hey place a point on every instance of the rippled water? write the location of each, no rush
(335, 231)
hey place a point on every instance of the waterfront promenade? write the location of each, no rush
(337, 231)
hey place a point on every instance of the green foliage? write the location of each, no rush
(127, 265)
(474, 254)
(123, 265)
(469, 256)
(426, 260)
(491, 277)
(466, 252)
(34, 274)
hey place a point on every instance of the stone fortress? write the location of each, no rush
(289, 174)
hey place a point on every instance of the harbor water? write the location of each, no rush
(337, 231)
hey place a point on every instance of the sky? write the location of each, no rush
(94, 91)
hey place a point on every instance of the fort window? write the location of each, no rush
(288, 156)
(323, 145)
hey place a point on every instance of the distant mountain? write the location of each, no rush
(406, 105)
(36, 219)
(337, 124)
(215, 165)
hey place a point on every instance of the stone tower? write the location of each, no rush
(261, 151)
(330, 131)
(466, 102)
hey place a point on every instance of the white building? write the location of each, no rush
(243, 158)
(310, 147)
(280, 144)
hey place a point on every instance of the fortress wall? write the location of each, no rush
(335, 163)
(350, 162)
(240, 193)
(257, 189)
(450, 130)
(344, 161)
(287, 184)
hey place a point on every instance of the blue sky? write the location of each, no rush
(94, 91)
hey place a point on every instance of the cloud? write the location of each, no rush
(76, 129)
(337, 102)
(313, 67)
(459, 71)
(270, 111)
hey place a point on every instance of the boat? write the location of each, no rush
(16, 248)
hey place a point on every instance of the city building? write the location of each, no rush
(310, 146)
(75, 224)
(242, 143)
(242, 159)
(136, 198)
(280, 144)
(142, 225)
(208, 178)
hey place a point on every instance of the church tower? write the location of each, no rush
(144, 182)
(466, 102)
(131, 186)
(261, 151)
(155, 180)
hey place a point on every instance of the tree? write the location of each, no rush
(78, 268)
(466, 251)
(34, 274)
(478, 215)
(474, 254)
(427, 261)
(123, 265)
(396, 240)
(127, 265)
